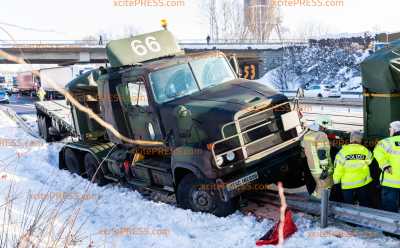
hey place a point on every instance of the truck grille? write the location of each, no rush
(254, 132)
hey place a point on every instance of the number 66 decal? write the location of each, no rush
(150, 43)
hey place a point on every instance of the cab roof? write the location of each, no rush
(169, 61)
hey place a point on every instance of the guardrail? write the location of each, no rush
(361, 216)
(346, 114)
(14, 116)
(342, 92)
(343, 102)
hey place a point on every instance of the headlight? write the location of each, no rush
(230, 156)
(219, 160)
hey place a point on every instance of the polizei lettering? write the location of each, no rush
(355, 157)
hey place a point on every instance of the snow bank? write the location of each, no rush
(317, 65)
(107, 212)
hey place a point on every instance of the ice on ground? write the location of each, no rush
(106, 213)
(31, 120)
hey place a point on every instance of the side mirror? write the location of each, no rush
(235, 64)
(185, 122)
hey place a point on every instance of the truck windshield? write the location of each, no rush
(179, 80)
(212, 71)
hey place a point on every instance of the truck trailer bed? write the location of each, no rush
(59, 112)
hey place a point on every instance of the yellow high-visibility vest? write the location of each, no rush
(352, 166)
(387, 153)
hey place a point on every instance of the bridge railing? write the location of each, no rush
(244, 41)
(186, 42)
(50, 43)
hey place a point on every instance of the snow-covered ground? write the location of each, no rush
(114, 216)
(30, 119)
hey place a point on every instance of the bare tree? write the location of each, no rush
(211, 12)
(280, 77)
(225, 19)
(103, 36)
(130, 31)
(262, 20)
(311, 30)
(89, 39)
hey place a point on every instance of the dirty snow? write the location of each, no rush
(34, 169)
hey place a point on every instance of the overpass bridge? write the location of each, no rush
(254, 58)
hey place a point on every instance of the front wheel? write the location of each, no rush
(72, 161)
(44, 128)
(199, 195)
(39, 123)
(93, 172)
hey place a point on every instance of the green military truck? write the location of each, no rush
(213, 127)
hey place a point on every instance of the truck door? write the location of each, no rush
(142, 120)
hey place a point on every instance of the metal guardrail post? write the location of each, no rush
(324, 207)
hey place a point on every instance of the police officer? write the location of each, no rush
(41, 94)
(352, 170)
(317, 149)
(387, 153)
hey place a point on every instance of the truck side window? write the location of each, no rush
(173, 82)
(142, 96)
(133, 94)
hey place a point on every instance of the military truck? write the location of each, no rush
(214, 129)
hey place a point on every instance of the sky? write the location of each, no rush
(75, 19)
(356, 16)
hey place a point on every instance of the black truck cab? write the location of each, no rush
(213, 128)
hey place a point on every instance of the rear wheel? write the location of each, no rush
(39, 123)
(44, 129)
(91, 166)
(193, 193)
(72, 161)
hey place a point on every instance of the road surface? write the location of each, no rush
(22, 104)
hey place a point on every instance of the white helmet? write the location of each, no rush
(395, 126)
(356, 137)
(321, 121)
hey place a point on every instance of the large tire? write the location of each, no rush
(91, 166)
(39, 123)
(190, 196)
(72, 162)
(45, 129)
